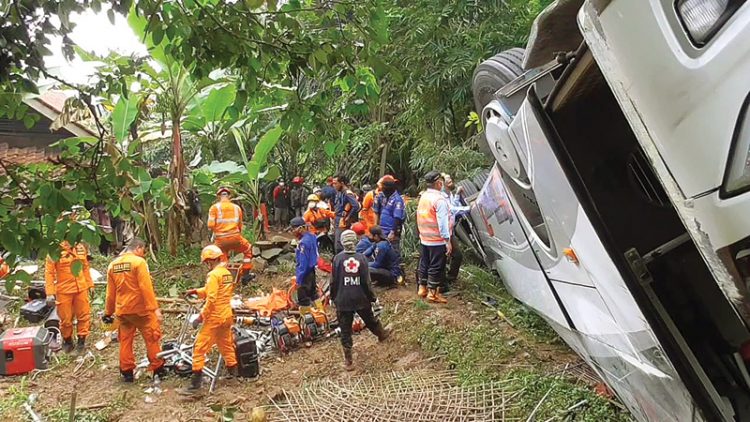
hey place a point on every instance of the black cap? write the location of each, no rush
(297, 222)
(432, 176)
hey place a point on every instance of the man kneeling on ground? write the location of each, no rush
(351, 292)
(384, 268)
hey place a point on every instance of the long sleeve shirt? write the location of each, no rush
(346, 208)
(442, 210)
(129, 287)
(350, 282)
(365, 247)
(306, 256)
(385, 258)
(391, 210)
(218, 293)
(456, 206)
(59, 276)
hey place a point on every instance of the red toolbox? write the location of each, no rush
(24, 349)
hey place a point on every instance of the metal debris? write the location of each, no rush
(429, 396)
(27, 406)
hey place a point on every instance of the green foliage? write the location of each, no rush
(480, 354)
(123, 116)
(482, 285)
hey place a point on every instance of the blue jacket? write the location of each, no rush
(386, 258)
(365, 247)
(342, 199)
(306, 255)
(391, 211)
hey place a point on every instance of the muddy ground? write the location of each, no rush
(97, 383)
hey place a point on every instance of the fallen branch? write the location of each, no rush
(93, 406)
(538, 405)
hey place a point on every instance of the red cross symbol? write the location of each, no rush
(351, 265)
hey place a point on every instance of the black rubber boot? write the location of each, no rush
(348, 361)
(160, 372)
(195, 384)
(233, 371)
(127, 376)
(67, 346)
(382, 333)
(81, 345)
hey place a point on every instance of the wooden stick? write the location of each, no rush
(72, 414)
(93, 406)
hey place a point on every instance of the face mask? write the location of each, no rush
(311, 205)
(281, 184)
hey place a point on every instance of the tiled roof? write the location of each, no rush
(26, 155)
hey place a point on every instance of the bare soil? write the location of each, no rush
(98, 382)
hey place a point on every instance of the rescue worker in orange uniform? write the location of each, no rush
(67, 284)
(4, 268)
(131, 298)
(367, 215)
(217, 316)
(317, 219)
(225, 220)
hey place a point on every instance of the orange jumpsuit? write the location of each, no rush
(367, 215)
(225, 220)
(131, 297)
(71, 291)
(217, 318)
(314, 215)
(4, 268)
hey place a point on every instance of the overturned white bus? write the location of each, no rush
(619, 204)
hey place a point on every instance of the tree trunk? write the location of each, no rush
(384, 158)
(177, 172)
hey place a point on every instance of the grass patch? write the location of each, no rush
(482, 354)
(15, 397)
(481, 284)
(421, 305)
(564, 393)
(471, 352)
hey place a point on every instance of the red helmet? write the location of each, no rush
(359, 228)
(298, 180)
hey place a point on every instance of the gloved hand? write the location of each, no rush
(108, 319)
(197, 322)
(191, 292)
(50, 300)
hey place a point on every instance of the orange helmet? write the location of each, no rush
(211, 252)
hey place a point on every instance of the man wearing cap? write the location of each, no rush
(346, 208)
(390, 209)
(433, 223)
(225, 221)
(384, 268)
(352, 293)
(306, 257)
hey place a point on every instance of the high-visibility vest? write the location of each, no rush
(225, 218)
(427, 220)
